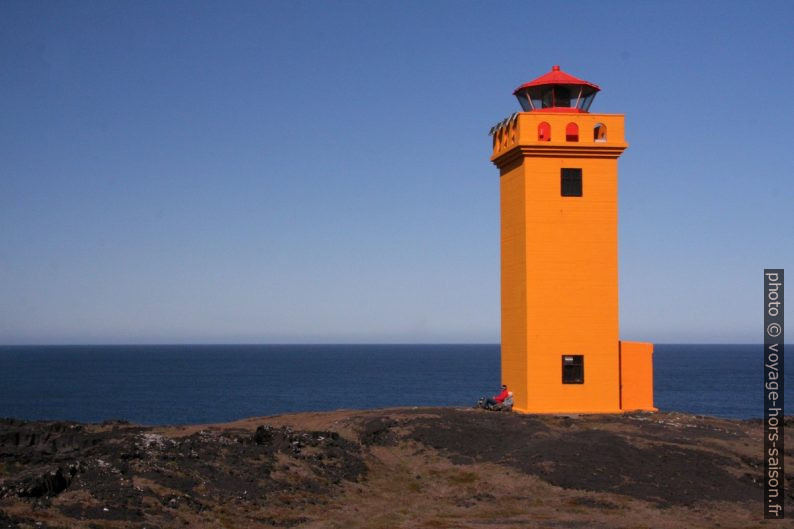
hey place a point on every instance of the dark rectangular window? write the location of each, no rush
(572, 369)
(571, 182)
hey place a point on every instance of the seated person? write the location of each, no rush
(490, 403)
(506, 405)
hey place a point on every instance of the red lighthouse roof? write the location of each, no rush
(556, 91)
(556, 76)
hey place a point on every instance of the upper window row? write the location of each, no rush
(572, 132)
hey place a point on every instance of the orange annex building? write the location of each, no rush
(558, 163)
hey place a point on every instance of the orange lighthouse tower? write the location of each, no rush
(558, 164)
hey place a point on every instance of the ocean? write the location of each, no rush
(181, 384)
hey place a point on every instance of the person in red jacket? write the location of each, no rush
(496, 399)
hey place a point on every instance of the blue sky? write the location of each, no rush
(318, 171)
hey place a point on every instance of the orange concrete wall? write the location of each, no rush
(636, 368)
(572, 269)
(514, 283)
(567, 247)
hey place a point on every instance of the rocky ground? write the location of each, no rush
(408, 468)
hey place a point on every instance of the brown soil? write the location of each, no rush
(411, 468)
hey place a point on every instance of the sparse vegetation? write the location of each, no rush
(388, 469)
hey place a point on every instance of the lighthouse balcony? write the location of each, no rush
(559, 134)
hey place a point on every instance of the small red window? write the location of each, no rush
(544, 131)
(572, 132)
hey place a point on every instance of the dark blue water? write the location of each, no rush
(196, 384)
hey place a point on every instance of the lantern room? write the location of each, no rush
(556, 91)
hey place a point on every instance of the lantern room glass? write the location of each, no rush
(556, 96)
(586, 101)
